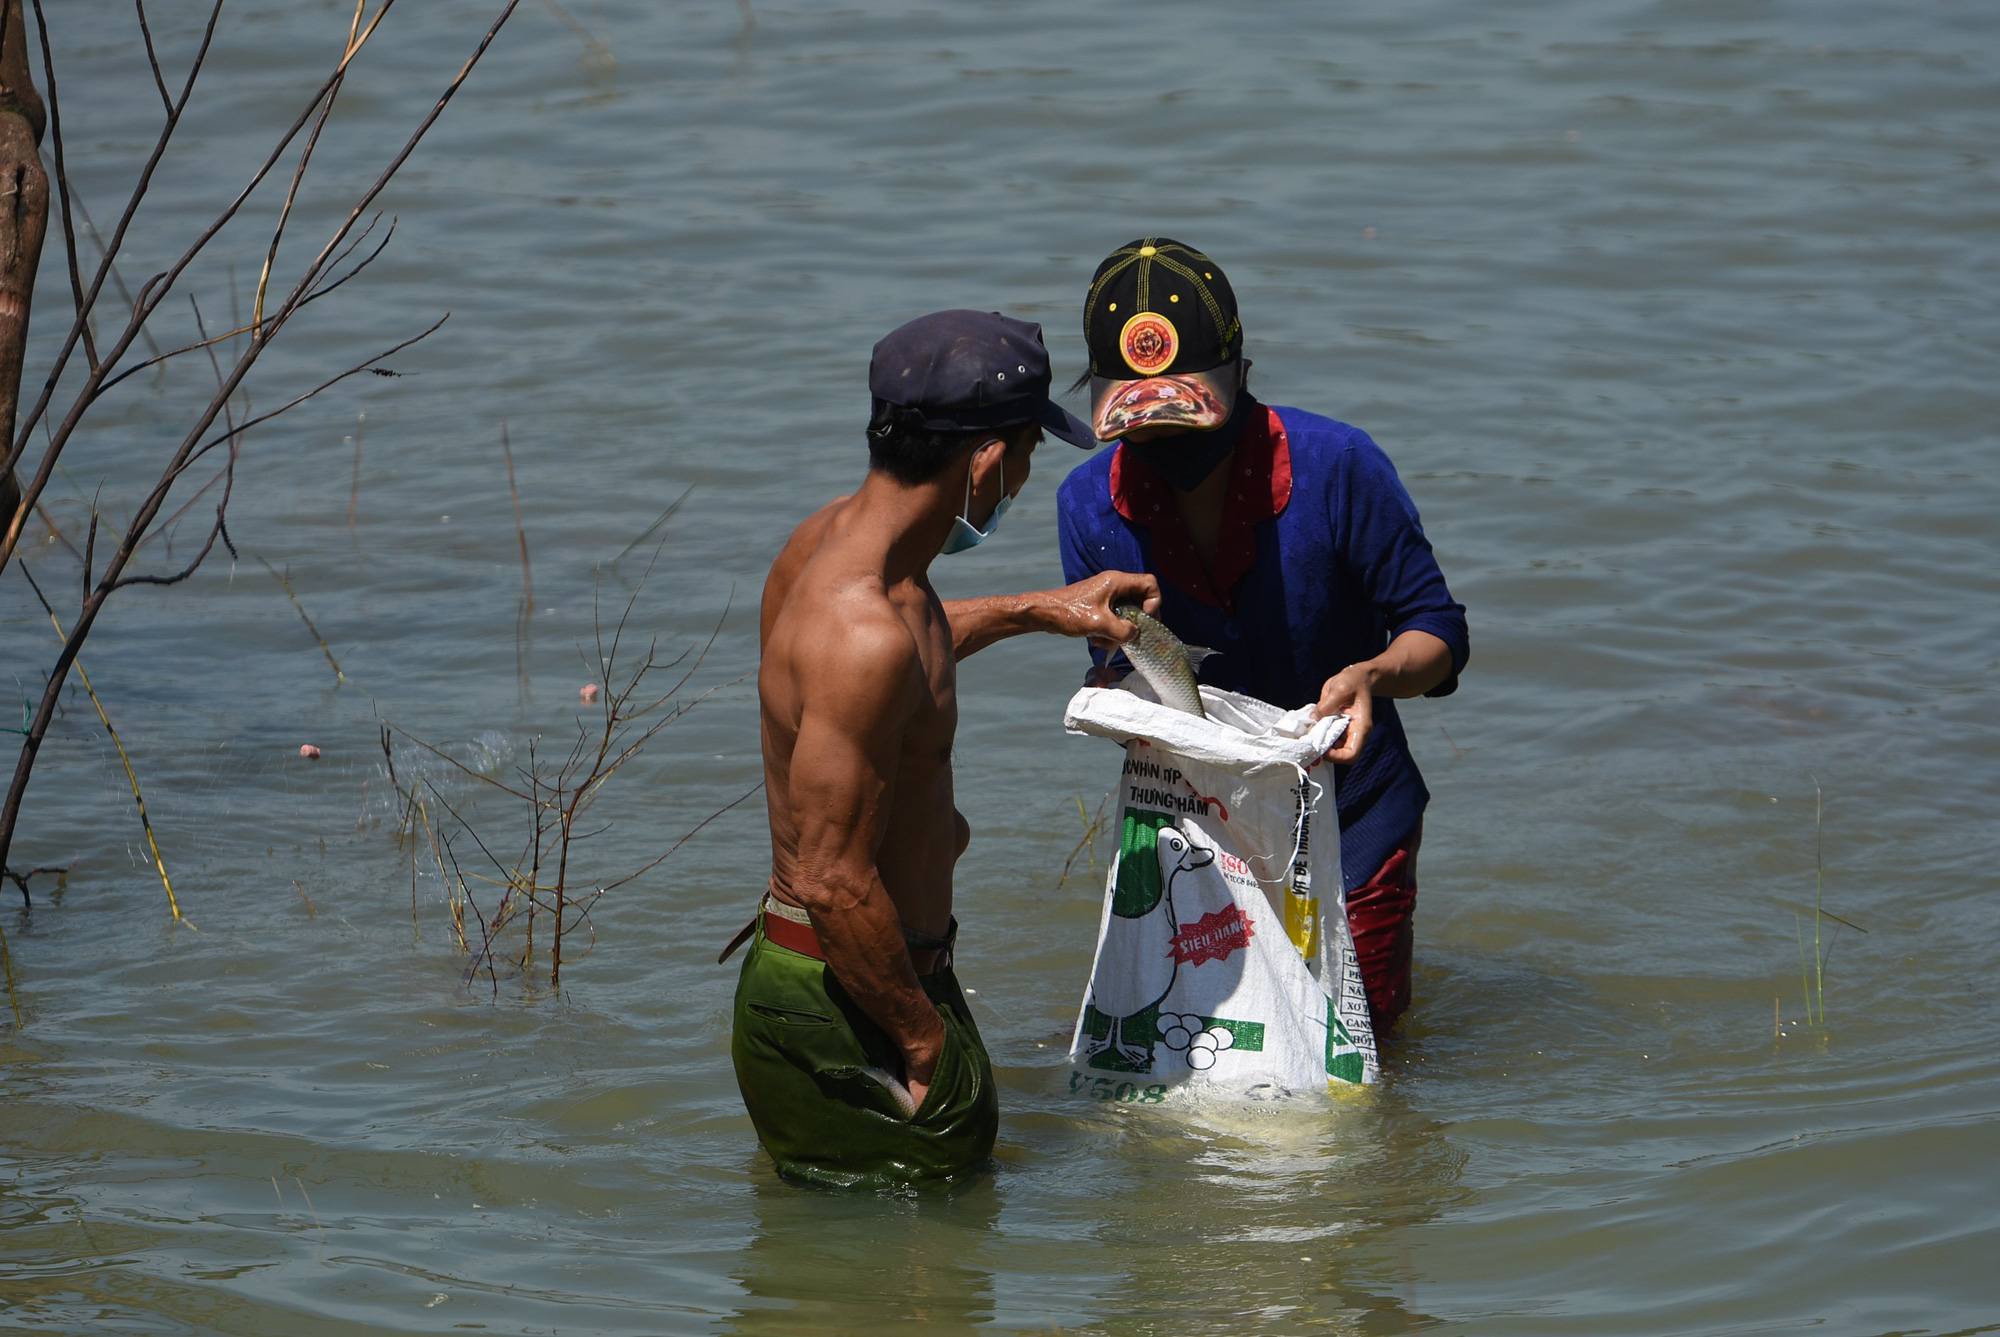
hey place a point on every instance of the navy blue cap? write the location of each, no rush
(967, 371)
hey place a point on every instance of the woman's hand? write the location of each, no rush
(1415, 662)
(1350, 692)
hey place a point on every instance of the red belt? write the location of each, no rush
(799, 938)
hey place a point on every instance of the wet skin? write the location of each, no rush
(857, 684)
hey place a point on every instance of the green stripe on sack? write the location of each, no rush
(1249, 1034)
(1343, 1058)
(1141, 1028)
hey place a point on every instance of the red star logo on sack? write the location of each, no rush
(1213, 937)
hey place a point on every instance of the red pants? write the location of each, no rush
(1379, 914)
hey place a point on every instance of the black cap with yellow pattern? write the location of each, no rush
(1158, 307)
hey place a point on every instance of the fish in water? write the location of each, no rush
(1163, 661)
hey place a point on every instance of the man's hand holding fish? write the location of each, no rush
(1084, 609)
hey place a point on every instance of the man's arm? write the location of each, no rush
(860, 693)
(1082, 609)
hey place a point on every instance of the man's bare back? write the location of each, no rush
(827, 614)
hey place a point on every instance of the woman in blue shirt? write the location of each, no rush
(1284, 541)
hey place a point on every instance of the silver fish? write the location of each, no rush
(1163, 661)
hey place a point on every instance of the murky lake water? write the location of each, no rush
(1679, 320)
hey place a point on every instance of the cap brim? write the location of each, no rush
(1192, 402)
(1059, 421)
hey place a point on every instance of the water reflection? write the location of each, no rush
(1228, 1216)
(825, 1261)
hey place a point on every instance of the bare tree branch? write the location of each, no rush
(152, 59)
(62, 177)
(156, 288)
(82, 323)
(196, 440)
(255, 330)
(292, 403)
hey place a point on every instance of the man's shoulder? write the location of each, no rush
(847, 644)
(856, 616)
(836, 605)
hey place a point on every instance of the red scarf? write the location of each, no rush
(1260, 486)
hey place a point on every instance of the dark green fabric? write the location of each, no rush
(801, 1046)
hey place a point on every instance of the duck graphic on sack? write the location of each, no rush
(1219, 964)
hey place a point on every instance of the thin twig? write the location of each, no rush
(305, 161)
(450, 760)
(19, 877)
(1819, 895)
(56, 531)
(389, 757)
(7, 964)
(609, 886)
(166, 526)
(314, 1210)
(89, 549)
(520, 531)
(254, 330)
(153, 59)
(131, 777)
(325, 649)
(1807, 909)
(220, 529)
(181, 466)
(1087, 843)
(62, 179)
(97, 238)
(575, 25)
(1798, 931)
(558, 803)
(354, 494)
(665, 516)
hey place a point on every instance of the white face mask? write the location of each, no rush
(963, 535)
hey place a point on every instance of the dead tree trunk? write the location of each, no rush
(24, 220)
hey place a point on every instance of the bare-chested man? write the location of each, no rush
(855, 1052)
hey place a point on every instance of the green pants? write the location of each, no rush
(801, 1048)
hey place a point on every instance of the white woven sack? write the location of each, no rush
(1224, 961)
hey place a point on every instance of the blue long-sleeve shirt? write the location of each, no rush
(1322, 563)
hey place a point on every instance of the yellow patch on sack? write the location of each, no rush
(1301, 917)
